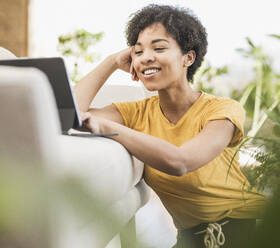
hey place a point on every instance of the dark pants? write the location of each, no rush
(237, 233)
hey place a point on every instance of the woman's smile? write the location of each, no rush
(150, 72)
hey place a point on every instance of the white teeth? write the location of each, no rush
(150, 71)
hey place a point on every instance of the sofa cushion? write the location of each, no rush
(6, 54)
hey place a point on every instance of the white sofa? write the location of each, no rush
(30, 132)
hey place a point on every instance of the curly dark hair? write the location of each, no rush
(180, 23)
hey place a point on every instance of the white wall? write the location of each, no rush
(227, 23)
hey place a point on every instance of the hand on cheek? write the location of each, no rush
(133, 73)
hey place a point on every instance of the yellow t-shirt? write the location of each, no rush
(212, 192)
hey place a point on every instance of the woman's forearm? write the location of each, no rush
(153, 151)
(87, 88)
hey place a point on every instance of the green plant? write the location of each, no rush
(261, 96)
(77, 46)
(260, 99)
(265, 175)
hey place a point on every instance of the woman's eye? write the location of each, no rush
(159, 48)
(138, 52)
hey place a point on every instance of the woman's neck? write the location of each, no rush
(176, 101)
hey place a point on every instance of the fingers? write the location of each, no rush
(94, 127)
(133, 73)
(91, 123)
(134, 76)
(85, 116)
(131, 69)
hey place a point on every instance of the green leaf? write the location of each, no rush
(276, 130)
(67, 52)
(274, 116)
(250, 42)
(274, 36)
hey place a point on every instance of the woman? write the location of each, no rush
(185, 138)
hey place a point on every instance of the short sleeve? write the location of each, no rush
(222, 108)
(130, 111)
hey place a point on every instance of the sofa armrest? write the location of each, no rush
(104, 164)
(30, 125)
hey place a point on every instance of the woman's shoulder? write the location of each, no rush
(222, 106)
(149, 102)
(213, 100)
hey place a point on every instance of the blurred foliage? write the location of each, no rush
(265, 174)
(77, 45)
(23, 206)
(260, 99)
(267, 233)
(261, 96)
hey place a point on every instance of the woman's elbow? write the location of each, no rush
(182, 163)
(178, 167)
(180, 171)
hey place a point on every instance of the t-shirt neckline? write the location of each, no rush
(185, 114)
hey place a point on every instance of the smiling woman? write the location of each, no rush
(186, 138)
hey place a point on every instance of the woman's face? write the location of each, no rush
(158, 60)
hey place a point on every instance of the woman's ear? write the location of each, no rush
(189, 58)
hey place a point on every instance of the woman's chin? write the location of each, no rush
(151, 87)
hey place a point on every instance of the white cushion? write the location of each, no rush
(103, 164)
(6, 54)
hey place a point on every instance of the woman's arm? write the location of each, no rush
(87, 88)
(164, 156)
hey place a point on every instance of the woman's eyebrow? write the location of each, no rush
(153, 41)
(159, 40)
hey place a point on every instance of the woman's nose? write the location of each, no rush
(147, 57)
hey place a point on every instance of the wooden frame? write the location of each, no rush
(14, 26)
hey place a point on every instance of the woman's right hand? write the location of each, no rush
(124, 62)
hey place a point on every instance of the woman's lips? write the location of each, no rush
(150, 72)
